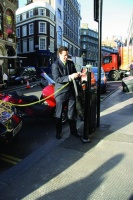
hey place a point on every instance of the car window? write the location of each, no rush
(16, 72)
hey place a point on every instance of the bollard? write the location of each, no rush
(87, 109)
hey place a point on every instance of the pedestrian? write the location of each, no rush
(63, 72)
(131, 68)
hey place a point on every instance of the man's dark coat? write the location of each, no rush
(60, 76)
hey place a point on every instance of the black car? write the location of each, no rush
(10, 122)
(22, 75)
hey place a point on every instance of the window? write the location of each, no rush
(59, 14)
(18, 32)
(24, 16)
(31, 45)
(42, 43)
(68, 20)
(59, 1)
(9, 22)
(42, 27)
(84, 46)
(42, 11)
(30, 13)
(59, 36)
(107, 59)
(18, 18)
(51, 30)
(52, 16)
(28, 1)
(31, 29)
(84, 32)
(24, 31)
(52, 46)
(18, 47)
(68, 7)
(24, 46)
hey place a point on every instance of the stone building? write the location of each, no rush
(89, 44)
(35, 31)
(43, 26)
(8, 33)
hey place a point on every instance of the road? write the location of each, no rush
(111, 87)
(35, 132)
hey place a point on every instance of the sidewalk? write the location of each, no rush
(67, 169)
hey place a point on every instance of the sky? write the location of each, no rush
(116, 16)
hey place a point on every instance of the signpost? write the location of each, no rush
(98, 18)
(87, 107)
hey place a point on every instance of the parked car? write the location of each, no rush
(22, 74)
(10, 123)
(103, 78)
(40, 70)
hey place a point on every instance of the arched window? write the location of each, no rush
(9, 22)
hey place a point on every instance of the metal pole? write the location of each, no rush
(99, 61)
(87, 109)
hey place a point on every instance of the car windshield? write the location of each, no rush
(16, 72)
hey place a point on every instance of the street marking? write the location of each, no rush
(9, 159)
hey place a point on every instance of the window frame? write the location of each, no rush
(24, 16)
(24, 27)
(18, 32)
(43, 13)
(51, 31)
(30, 15)
(45, 31)
(42, 38)
(31, 32)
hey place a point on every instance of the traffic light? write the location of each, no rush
(96, 10)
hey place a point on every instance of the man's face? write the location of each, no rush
(63, 56)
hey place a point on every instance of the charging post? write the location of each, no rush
(87, 107)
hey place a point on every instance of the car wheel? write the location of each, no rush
(114, 76)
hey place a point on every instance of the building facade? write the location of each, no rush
(8, 33)
(35, 31)
(71, 26)
(130, 39)
(89, 45)
(43, 26)
(68, 19)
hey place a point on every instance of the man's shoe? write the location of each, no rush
(58, 135)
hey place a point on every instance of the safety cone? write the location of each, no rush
(28, 85)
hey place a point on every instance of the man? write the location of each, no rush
(64, 71)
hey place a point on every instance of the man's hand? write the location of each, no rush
(74, 75)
